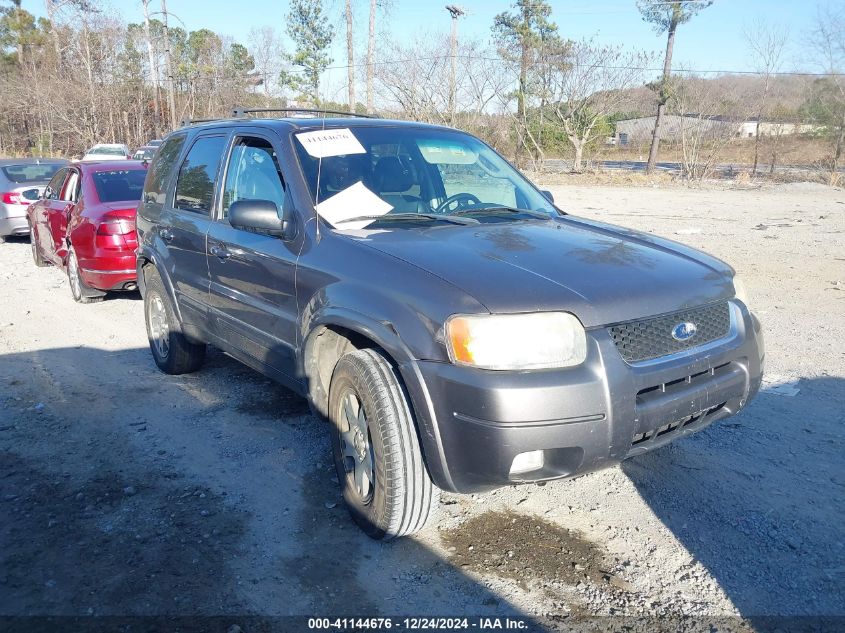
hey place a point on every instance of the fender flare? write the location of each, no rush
(385, 336)
(146, 257)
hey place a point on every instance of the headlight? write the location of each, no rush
(516, 341)
(740, 291)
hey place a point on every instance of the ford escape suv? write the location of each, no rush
(457, 329)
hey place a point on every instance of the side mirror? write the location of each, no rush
(548, 195)
(258, 216)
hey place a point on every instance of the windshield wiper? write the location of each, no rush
(503, 209)
(436, 217)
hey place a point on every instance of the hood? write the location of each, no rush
(602, 274)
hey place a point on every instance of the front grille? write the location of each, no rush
(652, 338)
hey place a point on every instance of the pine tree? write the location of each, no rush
(312, 34)
(666, 16)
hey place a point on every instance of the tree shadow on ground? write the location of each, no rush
(758, 499)
(132, 493)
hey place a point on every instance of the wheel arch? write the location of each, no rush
(338, 332)
(143, 262)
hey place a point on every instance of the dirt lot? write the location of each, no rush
(127, 492)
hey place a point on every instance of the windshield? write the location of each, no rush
(358, 175)
(31, 172)
(119, 185)
(107, 150)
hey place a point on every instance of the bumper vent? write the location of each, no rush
(652, 338)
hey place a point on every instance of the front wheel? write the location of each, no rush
(376, 450)
(172, 351)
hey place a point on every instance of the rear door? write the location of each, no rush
(253, 294)
(185, 221)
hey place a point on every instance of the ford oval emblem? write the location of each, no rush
(684, 331)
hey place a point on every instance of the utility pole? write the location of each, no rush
(171, 82)
(371, 54)
(153, 69)
(350, 56)
(455, 12)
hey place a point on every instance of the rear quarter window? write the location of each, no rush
(161, 168)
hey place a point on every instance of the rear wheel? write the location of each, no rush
(82, 292)
(33, 245)
(172, 351)
(376, 451)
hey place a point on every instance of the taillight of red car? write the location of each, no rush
(15, 197)
(116, 230)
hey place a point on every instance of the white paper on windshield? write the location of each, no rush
(324, 143)
(350, 203)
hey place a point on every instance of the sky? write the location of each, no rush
(711, 41)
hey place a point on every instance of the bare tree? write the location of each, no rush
(417, 87)
(590, 83)
(666, 15)
(709, 120)
(267, 51)
(767, 44)
(827, 43)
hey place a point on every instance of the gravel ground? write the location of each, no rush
(127, 492)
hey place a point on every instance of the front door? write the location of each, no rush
(46, 208)
(253, 297)
(60, 211)
(184, 223)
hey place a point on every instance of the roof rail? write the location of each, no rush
(241, 112)
(187, 122)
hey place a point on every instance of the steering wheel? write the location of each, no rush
(457, 202)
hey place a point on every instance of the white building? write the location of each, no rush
(638, 131)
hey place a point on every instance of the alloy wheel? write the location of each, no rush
(73, 275)
(356, 447)
(159, 326)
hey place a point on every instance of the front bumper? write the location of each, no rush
(474, 422)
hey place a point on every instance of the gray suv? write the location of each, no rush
(457, 329)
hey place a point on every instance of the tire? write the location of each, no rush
(2, 239)
(402, 497)
(36, 254)
(81, 292)
(172, 351)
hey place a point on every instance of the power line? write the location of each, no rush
(795, 73)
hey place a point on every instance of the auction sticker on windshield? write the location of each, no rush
(352, 202)
(324, 143)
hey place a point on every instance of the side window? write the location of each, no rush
(55, 187)
(161, 168)
(71, 188)
(198, 174)
(253, 173)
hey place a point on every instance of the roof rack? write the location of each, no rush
(241, 112)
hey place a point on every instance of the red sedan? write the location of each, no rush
(84, 223)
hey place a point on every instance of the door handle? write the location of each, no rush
(220, 251)
(166, 235)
